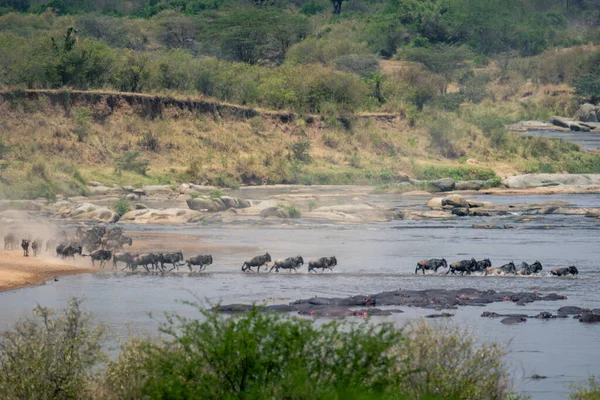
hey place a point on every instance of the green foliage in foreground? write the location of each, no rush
(50, 356)
(253, 356)
(591, 391)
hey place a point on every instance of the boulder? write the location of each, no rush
(541, 180)
(157, 190)
(455, 200)
(99, 190)
(28, 205)
(200, 189)
(132, 197)
(568, 123)
(234, 202)
(435, 203)
(587, 113)
(141, 206)
(461, 212)
(164, 216)
(89, 212)
(471, 185)
(443, 185)
(183, 188)
(95, 184)
(415, 215)
(274, 212)
(206, 203)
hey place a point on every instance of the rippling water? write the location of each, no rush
(374, 258)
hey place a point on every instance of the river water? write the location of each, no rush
(372, 258)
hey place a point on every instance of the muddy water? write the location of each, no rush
(371, 258)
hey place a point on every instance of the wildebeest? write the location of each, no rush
(257, 261)
(433, 264)
(202, 260)
(482, 265)
(565, 271)
(68, 250)
(36, 245)
(10, 242)
(322, 263)
(290, 263)
(529, 269)
(462, 266)
(509, 268)
(100, 255)
(25, 246)
(171, 258)
(146, 259)
(50, 244)
(116, 244)
(127, 258)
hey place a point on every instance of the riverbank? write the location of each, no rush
(17, 272)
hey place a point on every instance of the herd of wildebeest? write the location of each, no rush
(105, 243)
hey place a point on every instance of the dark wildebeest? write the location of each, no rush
(100, 255)
(463, 266)
(565, 271)
(529, 269)
(50, 244)
(64, 250)
(482, 265)
(323, 263)
(171, 258)
(257, 261)
(25, 246)
(509, 268)
(10, 242)
(202, 260)
(36, 246)
(433, 264)
(290, 263)
(146, 259)
(127, 258)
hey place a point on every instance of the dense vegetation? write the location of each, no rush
(60, 355)
(453, 71)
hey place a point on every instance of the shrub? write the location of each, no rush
(360, 64)
(122, 206)
(82, 124)
(264, 355)
(215, 193)
(130, 162)
(292, 210)
(589, 392)
(149, 142)
(300, 151)
(443, 135)
(458, 173)
(50, 356)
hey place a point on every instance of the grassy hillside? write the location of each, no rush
(76, 137)
(286, 91)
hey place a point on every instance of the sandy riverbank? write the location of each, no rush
(17, 271)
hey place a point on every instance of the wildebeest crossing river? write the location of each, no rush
(371, 258)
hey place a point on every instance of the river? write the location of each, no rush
(372, 257)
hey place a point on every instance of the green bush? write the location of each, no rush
(122, 206)
(215, 193)
(591, 391)
(130, 161)
(292, 210)
(263, 355)
(300, 151)
(458, 173)
(50, 356)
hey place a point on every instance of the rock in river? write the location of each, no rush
(443, 185)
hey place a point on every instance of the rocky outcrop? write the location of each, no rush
(352, 213)
(569, 123)
(206, 204)
(443, 185)
(222, 203)
(472, 185)
(588, 113)
(276, 212)
(540, 180)
(165, 216)
(455, 200)
(88, 212)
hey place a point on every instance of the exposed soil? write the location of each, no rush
(17, 271)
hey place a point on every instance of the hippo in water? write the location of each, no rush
(513, 320)
(565, 271)
(432, 264)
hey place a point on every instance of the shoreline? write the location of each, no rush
(18, 272)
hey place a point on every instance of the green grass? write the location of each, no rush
(458, 173)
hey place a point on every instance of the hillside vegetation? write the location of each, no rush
(368, 94)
